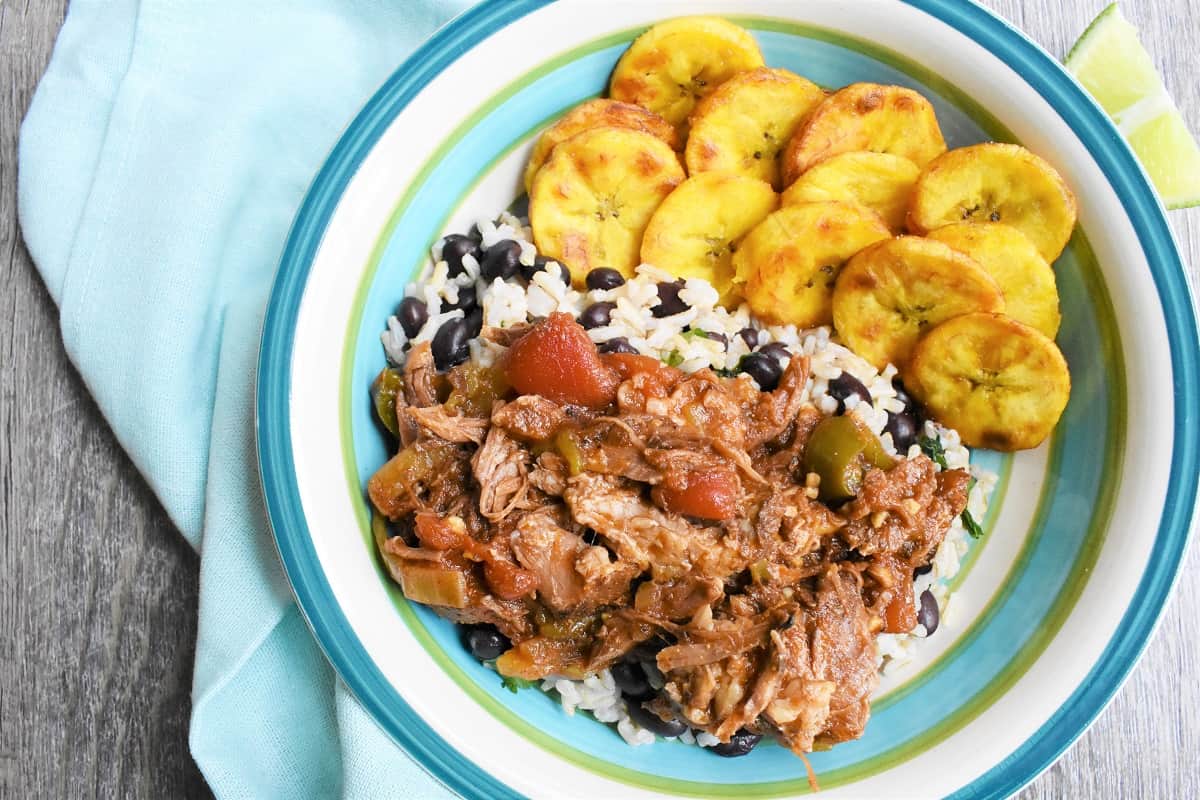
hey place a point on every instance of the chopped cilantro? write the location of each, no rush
(971, 525)
(674, 358)
(932, 447)
(513, 684)
(731, 373)
(693, 333)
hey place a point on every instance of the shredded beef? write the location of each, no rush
(570, 528)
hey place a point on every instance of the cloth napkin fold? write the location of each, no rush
(162, 160)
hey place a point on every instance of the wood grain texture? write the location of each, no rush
(98, 595)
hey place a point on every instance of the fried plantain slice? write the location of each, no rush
(996, 183)
(1030, 291)
(592, 200)
(695, 231)
(676, 63)
(865, 116)
(880, 181)
(597, 113)
(742, 126)
(1002, 385)
(892, 292)
(786, 267)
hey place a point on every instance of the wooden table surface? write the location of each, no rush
(98, 597)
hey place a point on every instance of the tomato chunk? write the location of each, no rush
(629, 364)
(507, 580)
(654, 378)
(712, 494)
(558, 361)
(439, 533)
(900, 616)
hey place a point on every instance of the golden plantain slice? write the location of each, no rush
(676, 63)
(892, 292)
(1000, 384)
(1030, 291)
(695, 231)
(880, 181)
(996, 183)
(742, 126)
(786, 267)
(865, 116)
(591, 201)
(597, 113)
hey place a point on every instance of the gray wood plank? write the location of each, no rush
(99, 592)
(98, 600)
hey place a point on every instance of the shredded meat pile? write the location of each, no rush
(669, 516)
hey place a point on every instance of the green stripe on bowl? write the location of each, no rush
(1051, 623)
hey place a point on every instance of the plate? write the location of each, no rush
(1085, 534)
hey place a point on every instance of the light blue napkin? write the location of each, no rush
(161, 163)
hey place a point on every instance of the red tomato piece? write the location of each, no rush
(558, 361)
(437, 533)
(654, 378)
(508, 581)
(900, 616)
(707, 495)
(629, 364)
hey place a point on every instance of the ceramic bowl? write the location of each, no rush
(1085, 534)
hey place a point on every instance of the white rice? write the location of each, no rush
(509, 303)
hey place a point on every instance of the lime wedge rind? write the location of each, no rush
(1086, 39)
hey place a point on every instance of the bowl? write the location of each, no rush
(1084, 537)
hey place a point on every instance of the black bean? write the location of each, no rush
(668, 300)
(911, 406)
(749, 336)
(653, 723)
(631, 680)
(502, 260)
(764, 369)
(467, 300)
(922, 570)
(540, 264)
(846, 385)
(412, 315)
(455, 247)
(716, 337)
(777, 350)
(649, 649)
(739, 744)
(604, 278)
(618, 344)
(450, 344)
(928, 614)
(597, 315)
(474, 322)
(903, 428)
(485, 642)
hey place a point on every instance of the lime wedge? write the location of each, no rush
(1171, 158)
(1111, 63)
